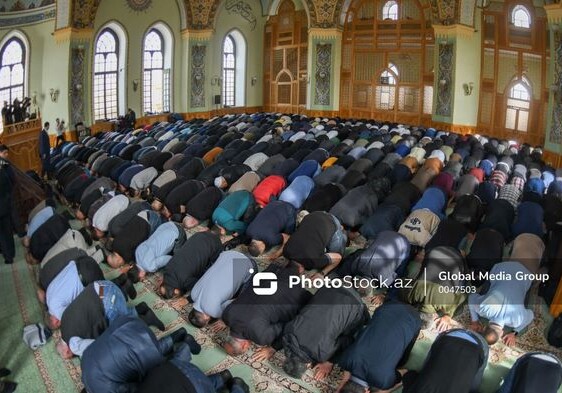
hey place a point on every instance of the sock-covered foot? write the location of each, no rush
(142, 308)
(7, 387)
(239, 382)
(133, 274)
(152, 320)
(87, 236)
(129, 289)
(194, 346)
(120, 279)
(179, 335)
(226, 377)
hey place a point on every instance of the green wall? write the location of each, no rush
(226, 21)
(136, 25)
(46, 63)
(467, 69)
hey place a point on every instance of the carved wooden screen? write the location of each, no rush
(285, 63)
(387, 64)
(513, 85)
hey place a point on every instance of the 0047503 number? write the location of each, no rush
(457, 289)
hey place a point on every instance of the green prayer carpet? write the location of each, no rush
(44, 371)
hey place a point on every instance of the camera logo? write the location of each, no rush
(264, 283)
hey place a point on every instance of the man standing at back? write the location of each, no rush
(44, 150)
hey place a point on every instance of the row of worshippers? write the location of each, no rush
(346, 188)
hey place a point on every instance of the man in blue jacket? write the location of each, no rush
(124, 353)
(383, 346)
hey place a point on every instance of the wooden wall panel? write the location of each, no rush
(370, 44)
(511, 54)
(285, 62)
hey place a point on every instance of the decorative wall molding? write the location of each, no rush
(554, 12)
(323, 74)
(327, 34)
(33, 16)
(70, 34)
(198, 53)
(444, 104)
(197, 35)
(243, 9)
(453, 31)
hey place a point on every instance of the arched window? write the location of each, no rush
(387, 90)
(520, 17)
(518, 104)
(106, 75)
(390, 10)
(153, 78)
(12, 70)
(228, 71)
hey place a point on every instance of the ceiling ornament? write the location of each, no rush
(139, 5)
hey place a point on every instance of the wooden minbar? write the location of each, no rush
(23, 141)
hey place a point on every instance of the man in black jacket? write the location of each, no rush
(189, 263)
(7, 246)
(326, 325)
(455, 363)
(261, 319)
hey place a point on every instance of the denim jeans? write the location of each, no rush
(114, 302)
(339, 239)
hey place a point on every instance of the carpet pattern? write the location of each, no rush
(43, 370)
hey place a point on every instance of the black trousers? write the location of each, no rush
(7, 245)
(45, 166)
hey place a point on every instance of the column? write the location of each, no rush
(457, 76)
(198, 62)
(553, 137)
(324, 68)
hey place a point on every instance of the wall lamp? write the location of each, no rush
(54, 93)
(254, 80)
(468, 87)
(135, 84)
